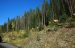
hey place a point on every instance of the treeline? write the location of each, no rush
(61, 10)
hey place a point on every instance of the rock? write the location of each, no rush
(1, 39)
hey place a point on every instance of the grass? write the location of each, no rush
(61, 38)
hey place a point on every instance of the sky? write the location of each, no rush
(12, 8)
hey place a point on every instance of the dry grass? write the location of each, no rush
(62, 38)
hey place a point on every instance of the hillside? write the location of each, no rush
(47, 38)
(38, 24)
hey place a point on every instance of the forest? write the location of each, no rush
(61, 10)
(50, 26)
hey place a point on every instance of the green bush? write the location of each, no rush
(26, 34)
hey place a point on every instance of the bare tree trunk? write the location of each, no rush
(28, 23)
(7, 27)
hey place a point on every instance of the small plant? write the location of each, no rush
(41, 27)
(26, 34)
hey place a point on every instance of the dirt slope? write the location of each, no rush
(62, 38)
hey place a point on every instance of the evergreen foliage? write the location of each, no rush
(50, 10)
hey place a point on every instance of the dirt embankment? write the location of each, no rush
(62, 38)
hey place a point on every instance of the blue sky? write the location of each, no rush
(12, 8)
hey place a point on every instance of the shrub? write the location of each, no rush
(26, 34)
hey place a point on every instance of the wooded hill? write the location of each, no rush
(51, 11)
